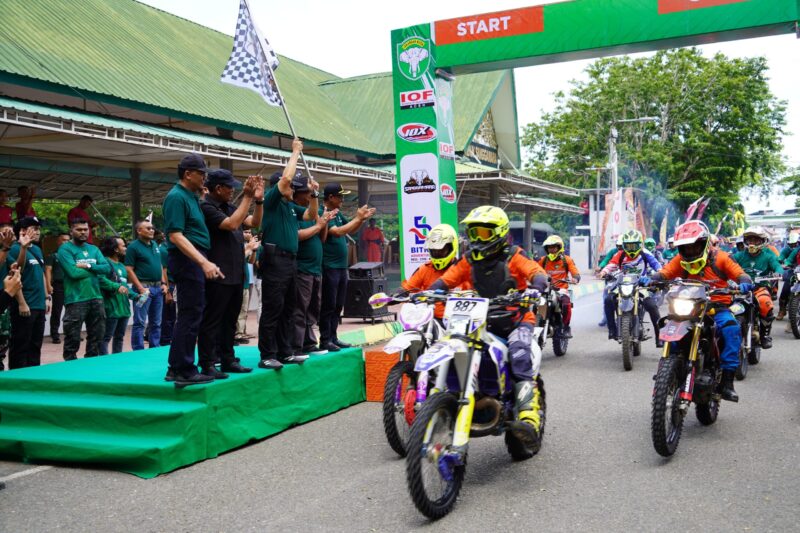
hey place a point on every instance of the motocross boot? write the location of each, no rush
(528, 406)
(766, 330)
(781, 312)
(728, 393)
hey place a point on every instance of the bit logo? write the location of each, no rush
(415, 99)
(420, 229)
(416, 132)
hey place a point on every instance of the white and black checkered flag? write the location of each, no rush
(247, 66)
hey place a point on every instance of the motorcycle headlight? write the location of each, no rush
(414, 316)
(682, 307)
(626, 290)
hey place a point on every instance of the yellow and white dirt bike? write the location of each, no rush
(472, 396)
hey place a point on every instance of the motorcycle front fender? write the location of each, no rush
(674, 330)
(439, 353)
(625, 305)
(403, 341)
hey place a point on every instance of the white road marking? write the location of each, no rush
(27, 472)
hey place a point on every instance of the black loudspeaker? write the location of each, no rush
(366, 270)
(356, 304)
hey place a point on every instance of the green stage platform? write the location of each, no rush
(117, 411)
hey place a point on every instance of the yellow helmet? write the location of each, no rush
(441, 245)
(553, 240)
(487, 227)
(632, 243)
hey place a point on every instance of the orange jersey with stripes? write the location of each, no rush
(724, 268)
(560, 270)
(422, 279)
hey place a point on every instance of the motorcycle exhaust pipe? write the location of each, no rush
(484, 429)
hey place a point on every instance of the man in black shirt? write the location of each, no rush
(224, 295)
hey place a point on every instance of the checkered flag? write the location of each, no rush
(247, 66)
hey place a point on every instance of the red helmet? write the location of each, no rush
(691, 240)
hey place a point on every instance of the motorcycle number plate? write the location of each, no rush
(674, 331)
(435, 356)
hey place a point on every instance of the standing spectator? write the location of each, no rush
(224, 295)
(115, 295)
(6, 240)
(278, 266)
(12, 284)
(309, 270)
(6, 212)
(145, 273)
(24, 207)
(251, 244)
(83, 266)
(189, 243)
(28, 312)
(168, 313)
(79, 212)
(55, 287)
(373, 240)
(334, 265)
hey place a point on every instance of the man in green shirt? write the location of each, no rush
(55, 286)
(334, 265)
(116, 297)
(147, 276)
(32, 303)
(83, 266)
(787, 259)
(671, 251)
(188, 247)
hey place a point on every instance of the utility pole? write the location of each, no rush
(613, 162)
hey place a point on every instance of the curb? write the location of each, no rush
(372, 334)
(588, 288)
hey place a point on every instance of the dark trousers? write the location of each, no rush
(277, 306)
(25, 348)
(115, 329)
(215, 343)
(168, 318)
(58, 307)
(93, 314)
(783, 300)
(334, 291)
(306, 313)
(190, 288)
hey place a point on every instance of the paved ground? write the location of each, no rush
(597, 470)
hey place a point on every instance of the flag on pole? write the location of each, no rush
(253, 61)
(662, 234)
(702, 209)
(692, 208)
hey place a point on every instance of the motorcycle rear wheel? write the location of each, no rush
(744, 364)
(431, 435)
(666, 423)
(794, 315)
(560, 342)
(627, 341)
(754, 356)
(517, 450)
(395, 426)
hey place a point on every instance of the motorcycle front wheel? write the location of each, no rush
(794, 315)
(666, 422)
(560, 342)
(401, 386)
(434, 481)
(627, 341)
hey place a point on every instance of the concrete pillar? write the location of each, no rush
(363, 192)
(136, 194)
(526, 230)
(494, 194)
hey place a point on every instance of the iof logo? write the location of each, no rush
(414, 57)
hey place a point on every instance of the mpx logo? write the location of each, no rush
(416, 132)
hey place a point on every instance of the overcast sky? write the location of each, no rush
(352, 37)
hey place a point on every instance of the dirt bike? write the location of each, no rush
(745, 309)
(689, 370)
(794, 303)
(630, 315)
(472, 397)
(550, 320)
(405, 390)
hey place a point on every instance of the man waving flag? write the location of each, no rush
(253, 61)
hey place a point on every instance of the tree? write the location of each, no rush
(718, 129)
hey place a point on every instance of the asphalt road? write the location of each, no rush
(597, 470)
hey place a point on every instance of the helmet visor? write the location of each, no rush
(693, 251)
(481, 233)
(442, 253)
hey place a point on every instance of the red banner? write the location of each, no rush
(490, 25)
(675, 6)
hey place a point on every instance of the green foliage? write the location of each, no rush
(53, 214)
(718, 129)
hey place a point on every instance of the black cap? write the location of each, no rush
(27, 222)
(300, 183)
(221, 176)
(275, 178)
(86, 197)
(193, 162)
(334, 189)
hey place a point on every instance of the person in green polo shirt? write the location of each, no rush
(188, 245)
(116, 296)
(147, 276)
(83, 265)
(32, 303)
(334, 265)
(55, 283)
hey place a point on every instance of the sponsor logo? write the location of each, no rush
(414, 57)
(448, 193)
(419, 181)
(490, 25)
(416, 132)
(676, 6)
(420, 230)
(447, 150)
(415, 99)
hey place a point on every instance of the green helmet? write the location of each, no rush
(650, 244)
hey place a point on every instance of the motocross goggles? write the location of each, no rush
(632, 249)
(482, 233)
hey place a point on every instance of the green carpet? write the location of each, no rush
(117, 411)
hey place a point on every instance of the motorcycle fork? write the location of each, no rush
(467, 403)
(688, 386)
(422, 386)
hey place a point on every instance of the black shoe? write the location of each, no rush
(659, 343)
(270, 364)
(212, 372)
(728, 393)
(567, 332)
(194, 379)
(309, 349)
(341, 344)
(241, 340)
(329, 346)
(612, 336)
(170, 375)
(55, 339)
(235, 368)
(296, 359)
(766, 342)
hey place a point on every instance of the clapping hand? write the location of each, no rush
(13, 282)
(249, 189)
(327, 216)
(6, 237)
(258, 195)
(25, 240)
(364, 212)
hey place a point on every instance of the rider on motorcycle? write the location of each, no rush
(696, 262)
(650, 246)
(632, 258)
(671, 251)
(441, 244)
(608, 257)
(787, 258)
(491, 264)
(560, 267)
